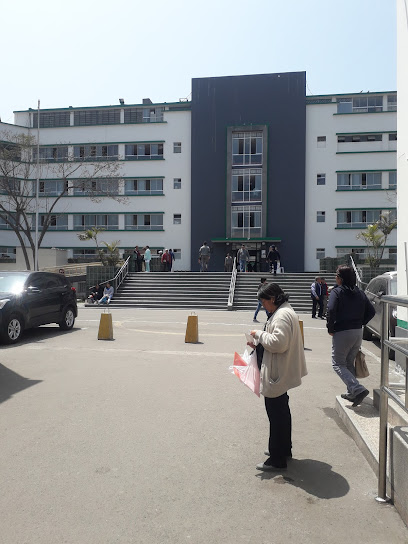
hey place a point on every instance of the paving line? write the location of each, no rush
(126, 350)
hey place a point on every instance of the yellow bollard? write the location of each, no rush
(192, 329)
(301, 330)
(105, 327)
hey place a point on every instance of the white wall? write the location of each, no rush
(322, 121)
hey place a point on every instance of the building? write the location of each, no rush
(251, 159)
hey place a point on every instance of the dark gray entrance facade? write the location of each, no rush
(248, 167)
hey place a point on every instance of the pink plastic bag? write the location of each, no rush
(246, 368)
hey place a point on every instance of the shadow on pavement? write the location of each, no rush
(12, 383)
(39, 334)
(314, 477)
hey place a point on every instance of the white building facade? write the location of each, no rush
(351, 177)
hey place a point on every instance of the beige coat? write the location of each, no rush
(283, 363)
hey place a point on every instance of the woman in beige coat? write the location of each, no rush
(282, 364)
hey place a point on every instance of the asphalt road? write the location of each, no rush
(146, 439)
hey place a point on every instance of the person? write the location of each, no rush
(316, 296)
(107, 294)
(137, 260)
(325, 295)
(204, 257)
(228, 263)
(96, 294)
(147, 258)
(165, 259)
(282, 363)
(263, 280)
(273, 258)
(347, 311)
(61, 271)
(172, 257)
(242, 258)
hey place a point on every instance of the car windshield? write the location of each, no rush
(393, 286)
(12, 284)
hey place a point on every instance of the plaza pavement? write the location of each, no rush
(146, 439)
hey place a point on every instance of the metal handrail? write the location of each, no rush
(232, 284)
(360, 283)
(121, 275)
(386, 391)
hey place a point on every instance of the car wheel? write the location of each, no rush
(13, 330)
(367, 334)
(68, 320)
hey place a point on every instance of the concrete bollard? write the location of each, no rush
(192, 329)
(105, 327)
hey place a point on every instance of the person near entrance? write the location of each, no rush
(242, 258)
(317, 297)
(204, 257)
(273, 258)
(147, 258)
(228, 263)
(263, 280)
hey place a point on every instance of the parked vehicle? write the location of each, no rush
(29, 299)
(384, 284)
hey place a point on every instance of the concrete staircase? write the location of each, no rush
(297, 285)
(174, 290)
(207, 290)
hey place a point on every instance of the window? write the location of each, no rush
(177, 147)
(5, 220)
(55, 222)
(357, 138)
(360, 104)
(51, 187)
(321, 141)
(246, 221)
(177, 183)
(392, 137)
(86, 221)
(358, 253)
(320, 253)
(51, 154)
(144, 221)
(53, 119)
(92, 187)
(321, 217)
(97, 117)
(358, 181)
(247, 148)
(247, 185)
(96, 152)
(392, 180)
(392, 102)
(142, 186)
(177, 219)
(87, 255)
(321, 179)
(143, 151)
(143, 115)
(8, 253)
(360, 218)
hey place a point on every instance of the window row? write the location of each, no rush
(247, 185)
(354, 219)
(148, 221)
(92, 254)
(106, 116)
(98, 152)
(246, 221)
(356, 138)
(348, 181)
(89, 187)
(366, 104)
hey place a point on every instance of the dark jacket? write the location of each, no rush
(273, 256)
(348, 309)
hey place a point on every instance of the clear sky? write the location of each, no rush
(93, 52)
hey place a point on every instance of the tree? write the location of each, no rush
(111, 256)
(60, 173)
(375, 237)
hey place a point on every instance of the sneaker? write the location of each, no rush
(347, 396)
(360, 397)
(255, 320)
(269, 467)
(288, 455)
(313, 317)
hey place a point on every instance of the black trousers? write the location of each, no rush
(314, 308)
(280, 428)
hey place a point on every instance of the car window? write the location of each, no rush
(382, 286)
(52, 281)
(372, 286)
(393, 286)
(11, 283)
(37, 280)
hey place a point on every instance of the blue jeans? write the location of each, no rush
(242, 266)
(345, 347)
(258, 308)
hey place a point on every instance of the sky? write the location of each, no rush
(93, 52)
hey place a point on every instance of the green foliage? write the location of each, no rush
(375, 237)
(111, 256)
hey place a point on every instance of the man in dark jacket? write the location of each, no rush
(348, 310)
(316, 295)
(273, 258)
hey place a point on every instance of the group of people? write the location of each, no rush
(243, 259)
(100, 294)
(319, 292)
(281, 360)
(141, 262)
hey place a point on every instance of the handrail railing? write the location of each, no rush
(360, 283)
(386, 391)
(121, 275)
(232, 285)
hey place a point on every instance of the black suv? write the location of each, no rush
(29, 299)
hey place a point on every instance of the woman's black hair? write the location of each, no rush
(272, 290)
(347, 275)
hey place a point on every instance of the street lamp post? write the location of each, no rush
(37, 185)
